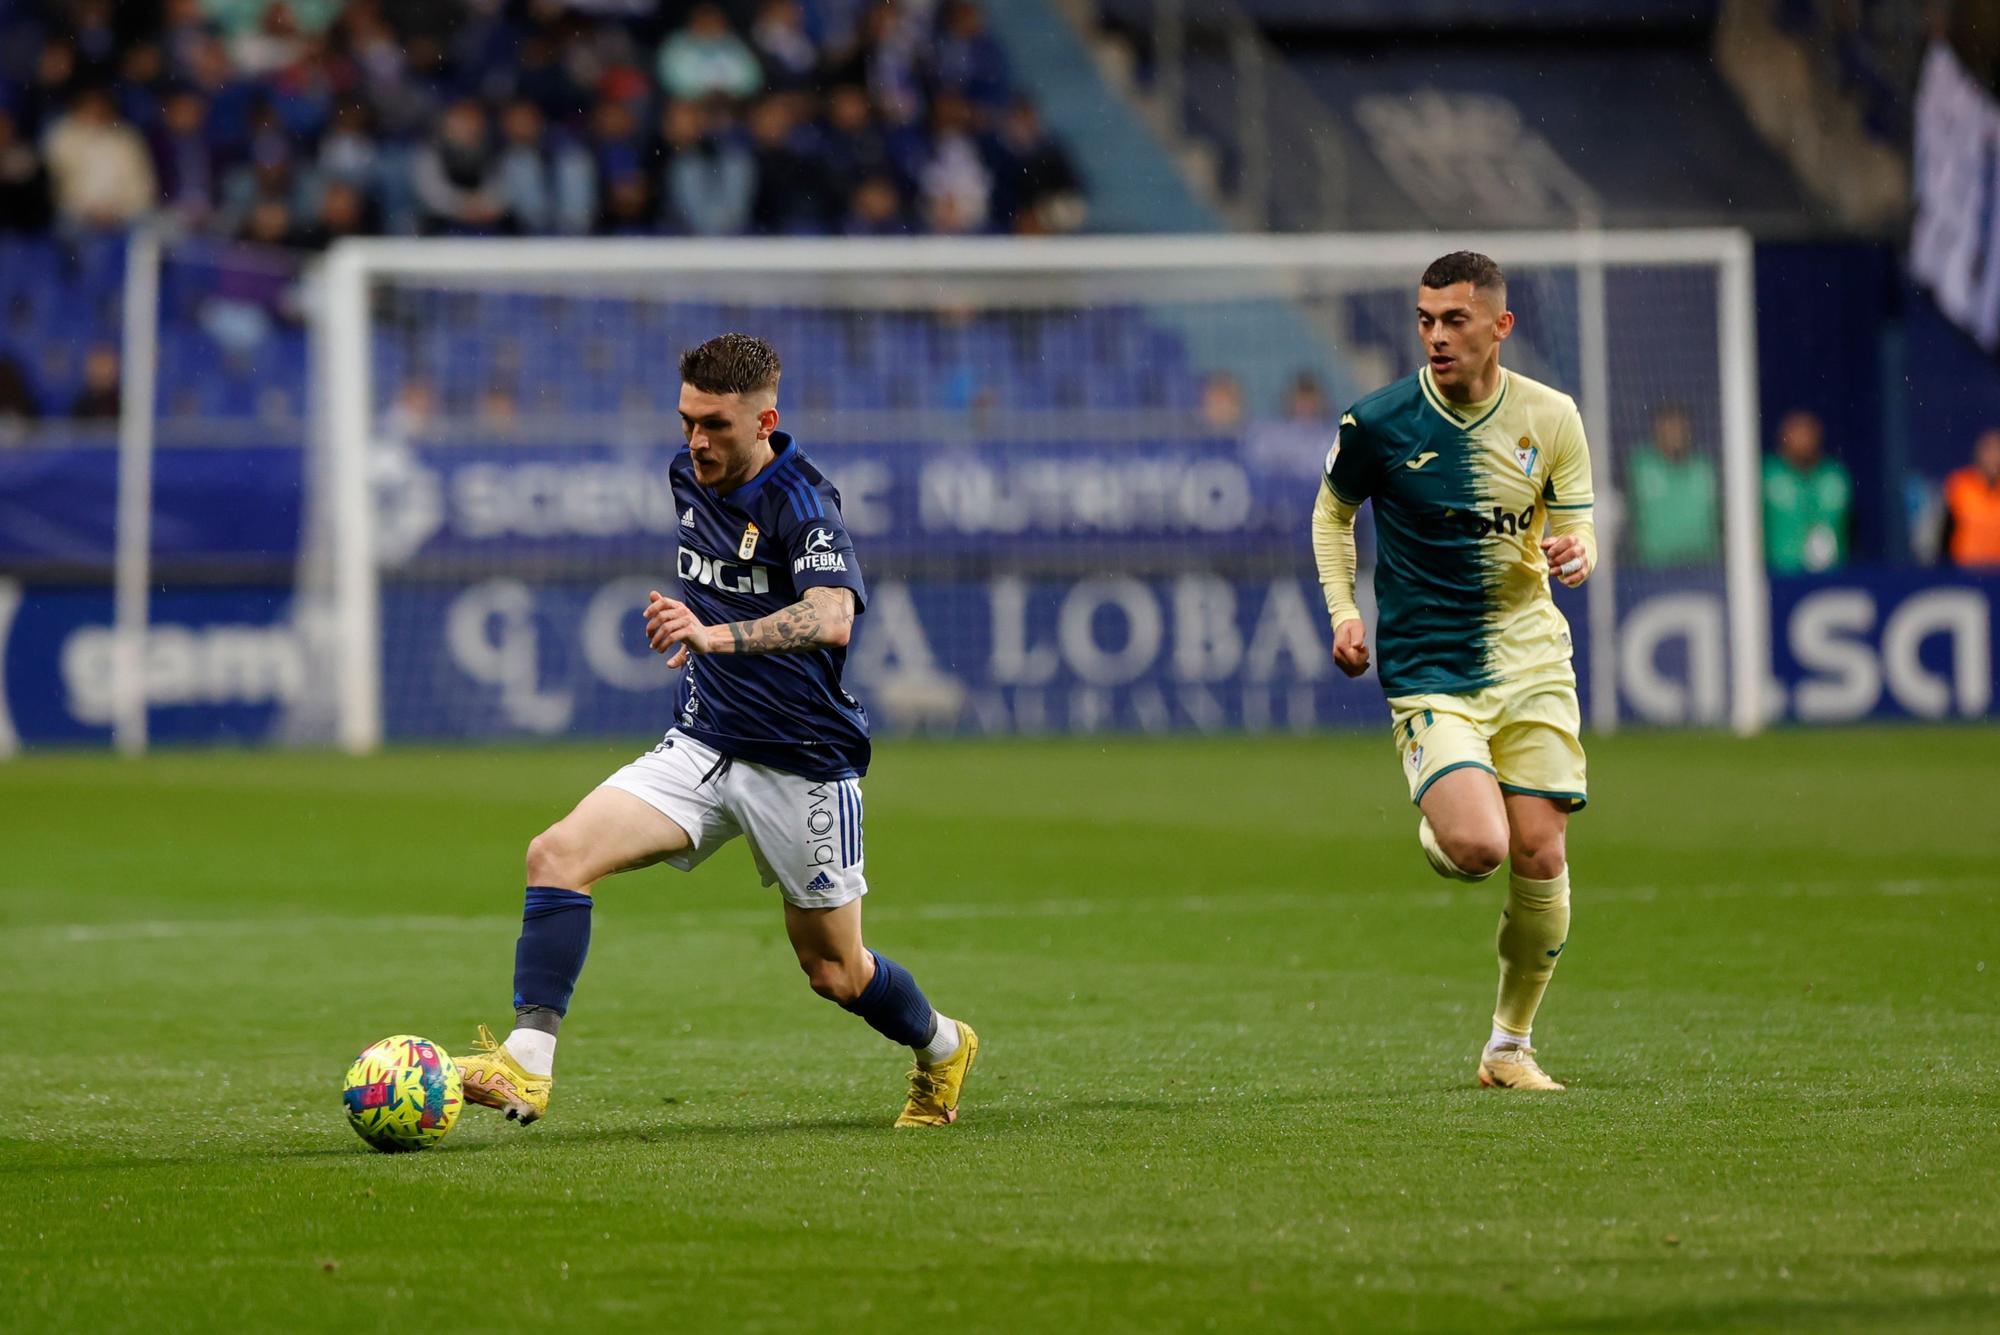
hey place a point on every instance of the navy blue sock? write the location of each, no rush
(894, 1005)
(555, 936)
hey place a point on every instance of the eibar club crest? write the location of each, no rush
(748, 547)
(1524, 455)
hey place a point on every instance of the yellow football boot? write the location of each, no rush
(494, 1079)
(1513, 1068)
(934, 1090)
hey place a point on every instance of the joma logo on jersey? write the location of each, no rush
(1501, 523)
(724, 575)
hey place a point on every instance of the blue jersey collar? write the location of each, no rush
(781, 444)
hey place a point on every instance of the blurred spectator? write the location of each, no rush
(549, 187)
(1294, 446)
(24, 185)
(190, 176)
(617, 145)
(98, 164)
(414, 410)
(269, 222)
(1673, 497)
(782, 43)
(54, 87)
(141, 75)
(712, 181)
(98, 399)
(1038, 183)
(498, 407)
(93, 32)
(17, 397)
(540, 75)
(306, 91)
(707, 57)
(1972, 506)
(1222, 403)
(182, 28)
(347, 151)
(230, 100)
(241, 16)
(397, 99)
(957, 189)
(885, 60)
(344, 210)
(267, 169)
(967, 59)
(1807, 498)
(791, 195)
(252, 107)
(876, 209)
(629, 209)
(269, 44)
(852, 146)
(1305, 401)
(457, 178)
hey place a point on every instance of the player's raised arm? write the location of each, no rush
(822, 619)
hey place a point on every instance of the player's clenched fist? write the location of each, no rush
(670, 626)
(1350, 647)
(1567, 560)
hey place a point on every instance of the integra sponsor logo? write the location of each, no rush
(724, 575)
(819, 553)
(1500, 523)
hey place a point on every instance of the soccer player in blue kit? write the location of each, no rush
(765, 744)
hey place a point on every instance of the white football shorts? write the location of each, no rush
(805, 834)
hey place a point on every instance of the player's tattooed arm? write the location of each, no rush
(823, 618)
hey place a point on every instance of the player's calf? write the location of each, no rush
(840, 981)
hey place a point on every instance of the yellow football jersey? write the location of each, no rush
(1462, 494)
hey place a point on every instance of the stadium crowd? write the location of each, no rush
(295, 122)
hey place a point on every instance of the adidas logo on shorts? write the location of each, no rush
(820, 882)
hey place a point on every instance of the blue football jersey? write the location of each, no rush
(743, 556)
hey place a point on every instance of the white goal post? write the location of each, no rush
(1329, 279)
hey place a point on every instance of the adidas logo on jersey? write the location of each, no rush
(820, 883)
(687, 519)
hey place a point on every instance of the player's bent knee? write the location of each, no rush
(1478, 853)
(1540, 862)
(553, 860)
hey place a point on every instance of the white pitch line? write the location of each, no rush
(1269, 902)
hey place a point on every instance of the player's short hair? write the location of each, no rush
(731, 364)
(1467, 266)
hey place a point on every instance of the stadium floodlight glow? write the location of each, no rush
(408, 530)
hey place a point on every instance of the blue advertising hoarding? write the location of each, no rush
(508, 657)
(1026, 587)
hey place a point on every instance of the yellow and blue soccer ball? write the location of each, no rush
(402, 1094)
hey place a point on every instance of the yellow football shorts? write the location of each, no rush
(1523, 735)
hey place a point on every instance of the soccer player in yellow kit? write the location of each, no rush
(1466, 463)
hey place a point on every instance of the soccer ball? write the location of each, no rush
(402, 1094)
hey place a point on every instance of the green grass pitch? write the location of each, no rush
(1230, 1022)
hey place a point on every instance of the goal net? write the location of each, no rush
(1078, 472)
